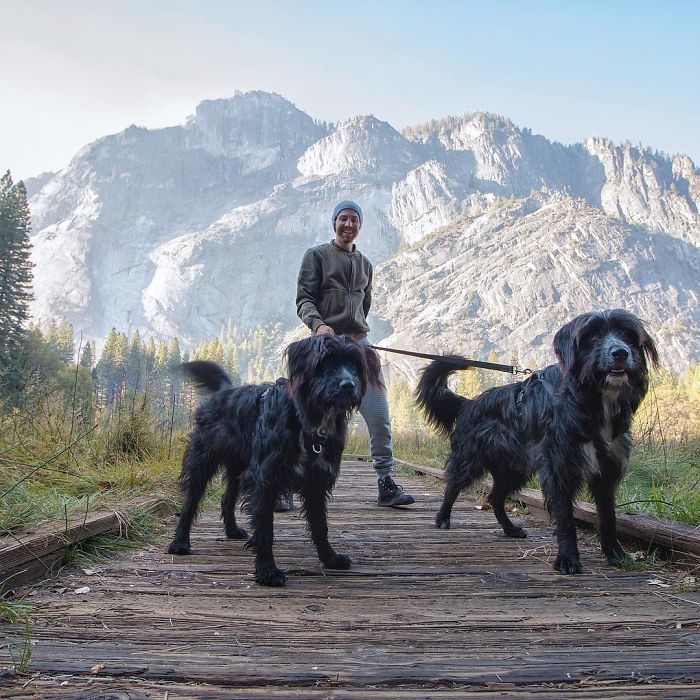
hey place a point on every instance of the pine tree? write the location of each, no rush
(136, 364)
(87, 358)
(174, 358)
(15, 279)
(111, 368)
(491, 379)
(231, 364)
(150, 356)
(64, 343)
(469, 383)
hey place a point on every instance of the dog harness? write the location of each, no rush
(528, 384)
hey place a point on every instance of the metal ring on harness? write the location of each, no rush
(317, 448)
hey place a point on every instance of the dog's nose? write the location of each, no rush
(620, 354)
(347, 384)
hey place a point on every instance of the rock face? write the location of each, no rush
(507, 280)
(486, 236)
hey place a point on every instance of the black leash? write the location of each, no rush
(510, 369)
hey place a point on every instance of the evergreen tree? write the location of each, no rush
(51, 334)
(469, 383)
(87, 358)
(150, 356)
(491, 379)
(111, 368)
(136, 364)
(63, 343)
(174, 357)
(231, 364)
(161, 362)
(15, 280)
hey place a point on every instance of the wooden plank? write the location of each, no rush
(49, 688)
(678, 538)
(422, 612)
(39, 552)
(420, 469)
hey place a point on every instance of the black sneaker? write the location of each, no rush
(285, 502)
(391, 494)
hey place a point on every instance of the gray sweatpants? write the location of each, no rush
(375, 410)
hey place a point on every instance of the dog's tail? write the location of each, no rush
(439, 404)
(208, 377)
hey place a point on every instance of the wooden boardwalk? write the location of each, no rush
(422, 613)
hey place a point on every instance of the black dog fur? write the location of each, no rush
(570, 422)
(273, 437)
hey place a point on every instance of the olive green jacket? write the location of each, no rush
(335, 288)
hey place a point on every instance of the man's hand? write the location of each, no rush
(323, 329)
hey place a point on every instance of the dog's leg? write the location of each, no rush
(315, 508)
(497, 499)
(198, 467)
(228, 505)
(452, 491)
(462, 468)
(559, 503)
(604, 497)
(262, 504)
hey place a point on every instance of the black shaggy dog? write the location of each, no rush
(570, 422)
(273, 437)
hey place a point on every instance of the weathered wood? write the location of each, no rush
(420, 469)
(37, 553)
(77, 686)
(422, 613)
(678, 538)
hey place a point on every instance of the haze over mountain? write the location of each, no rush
(485, 237)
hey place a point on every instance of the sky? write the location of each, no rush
(76, 70)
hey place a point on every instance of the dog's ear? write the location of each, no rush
(567, 339)
(645, 341)
(373, 366)
(648, 345)
(304, 356)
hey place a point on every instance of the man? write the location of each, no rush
(334, 295)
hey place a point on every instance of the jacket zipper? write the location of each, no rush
(352, 314)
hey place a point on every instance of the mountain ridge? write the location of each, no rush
(183, 230)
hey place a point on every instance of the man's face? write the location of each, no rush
(347, 226)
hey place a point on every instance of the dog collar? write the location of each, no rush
(316, 441)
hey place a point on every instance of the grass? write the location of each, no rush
(22, 657)
(53, 466)
(663, 479)
(49, 470)
(11, 609)
(139, 524)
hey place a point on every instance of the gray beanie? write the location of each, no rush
(346, 204)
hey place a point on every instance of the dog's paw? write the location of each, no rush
(270, 577)
(616, 556)
(179, 548)
(237, 533)
(516, 532)
(442, 523)
(567, 564)
(337, 561)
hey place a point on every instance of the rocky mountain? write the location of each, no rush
(506, 280)
(486, 236)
